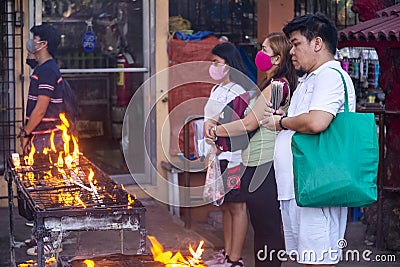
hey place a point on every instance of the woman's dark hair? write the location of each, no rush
(48, 33)
(315, 25)
(281, 46)
(237, 71)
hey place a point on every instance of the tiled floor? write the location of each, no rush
(355, 246)
(170, 232)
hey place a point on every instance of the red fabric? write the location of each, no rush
(187, 97)
(233, 111)
(366, 8)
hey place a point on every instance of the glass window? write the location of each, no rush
(98, 38)
(338, 10)
(94, 32)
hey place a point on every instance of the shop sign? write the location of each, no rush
(89, 41)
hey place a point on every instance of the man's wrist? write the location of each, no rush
(281, 123)
(25, 134)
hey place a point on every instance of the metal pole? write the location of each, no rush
(379, 230)
(108, 70)
(186, 177)
(8, 177)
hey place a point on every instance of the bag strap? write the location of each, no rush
(346, 94)
(214, 88)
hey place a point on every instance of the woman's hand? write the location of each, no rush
(270, 120)
(209, 129)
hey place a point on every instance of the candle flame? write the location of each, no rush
(64, 119)
(89, 263)
(176, 260)
(91, 175)
(75, 153)
(52, 145)
(29, 159)
(71, 160)
(60, 160)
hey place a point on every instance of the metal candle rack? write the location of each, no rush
(58, 204)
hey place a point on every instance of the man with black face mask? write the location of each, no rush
(45, 96)
(45, 100)
(31, 61)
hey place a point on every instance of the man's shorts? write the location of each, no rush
(313, 235)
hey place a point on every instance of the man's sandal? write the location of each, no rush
(30, 242)
(47, 249)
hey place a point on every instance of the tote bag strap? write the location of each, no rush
(346, 95)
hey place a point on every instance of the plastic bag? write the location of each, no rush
(214, 186)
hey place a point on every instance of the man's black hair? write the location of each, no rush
(48, 33)
(315, 25)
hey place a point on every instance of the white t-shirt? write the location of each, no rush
(320, 90)
(219, 97)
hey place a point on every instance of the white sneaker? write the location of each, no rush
(29, 223)
(47, 249)
(218, 258)
(229, 263)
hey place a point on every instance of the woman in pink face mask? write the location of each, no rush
(258, 180)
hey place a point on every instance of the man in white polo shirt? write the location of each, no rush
(311, 234)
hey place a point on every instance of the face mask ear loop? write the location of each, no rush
(41, 42)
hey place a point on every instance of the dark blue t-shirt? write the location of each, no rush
(45, 80)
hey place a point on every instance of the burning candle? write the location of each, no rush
(16, 160)
(83, 186)
(89, 263)
(94, 190)
(60, 160)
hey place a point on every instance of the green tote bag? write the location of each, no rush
(337, 167)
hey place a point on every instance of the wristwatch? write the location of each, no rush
(280, 123)
(214, 129)
(24, 134)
